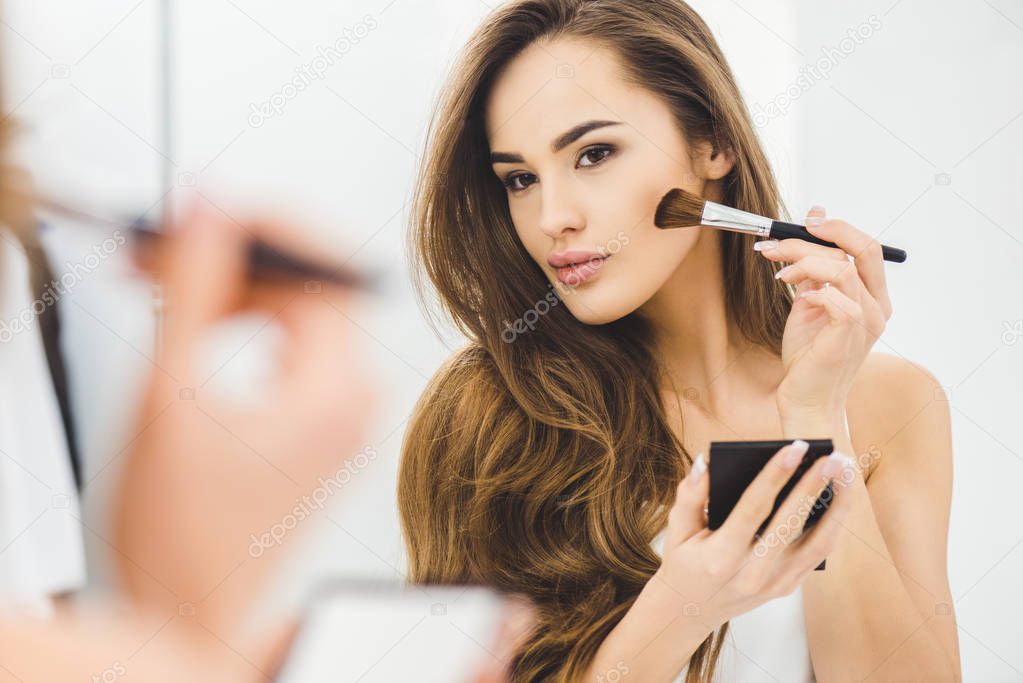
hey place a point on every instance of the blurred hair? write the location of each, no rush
(15, 210)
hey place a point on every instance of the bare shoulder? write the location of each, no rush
(897, 408)
(890, 380)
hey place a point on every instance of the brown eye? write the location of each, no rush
(514, 181)
(595, 155)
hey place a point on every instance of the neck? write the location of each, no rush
(705, 358)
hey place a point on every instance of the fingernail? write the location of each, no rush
(816, 207)
(697, 470)
(814, 221)
(834, 464)
(794, 455)
(780, 273)
(764, 245)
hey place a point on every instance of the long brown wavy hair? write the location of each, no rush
(546, 466)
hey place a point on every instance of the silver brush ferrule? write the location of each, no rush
(727, 218)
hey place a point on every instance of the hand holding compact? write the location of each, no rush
(719, 574)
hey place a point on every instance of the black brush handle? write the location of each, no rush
(781, 230)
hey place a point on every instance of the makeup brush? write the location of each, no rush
(680, 209)
(265, 261)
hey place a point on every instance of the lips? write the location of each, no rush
(574, 272)
(560, 259)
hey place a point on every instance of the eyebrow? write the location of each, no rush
(559, 143)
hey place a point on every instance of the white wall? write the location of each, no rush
(914, 135)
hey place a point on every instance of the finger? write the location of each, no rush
(319, 358)
(686, 516)
(326, 385)
(846, 330)
(275, 647)
(842, 311)
(817, 543)
(518, 622)
(757, 501)
(793, 249)
(202, 264)
(804, 285)
(787, 523)
(841, 274)
(867, 256)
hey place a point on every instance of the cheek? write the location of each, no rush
(632, 203)
(635, 203)
(624, 205)
(534, 241)
(662, 251)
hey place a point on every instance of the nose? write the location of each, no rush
(559, 210)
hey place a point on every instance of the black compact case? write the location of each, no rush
(734, 465)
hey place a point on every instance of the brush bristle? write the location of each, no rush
(678, 209)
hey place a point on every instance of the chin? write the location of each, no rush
(599, 305)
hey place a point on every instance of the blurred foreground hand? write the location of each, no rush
(206, 474)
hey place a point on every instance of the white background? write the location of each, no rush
(916, 134)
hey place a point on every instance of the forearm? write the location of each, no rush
(861, 618)
(653, 641)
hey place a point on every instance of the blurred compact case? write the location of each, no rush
(734, 465)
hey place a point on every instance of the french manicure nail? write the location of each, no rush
(764, 245)
(780, 273)
(698, 469)
(835, 463)
(814, 221)
(796, 450)
(817, 208)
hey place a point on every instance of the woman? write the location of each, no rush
(545, 457)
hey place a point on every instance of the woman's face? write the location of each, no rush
(585, 158)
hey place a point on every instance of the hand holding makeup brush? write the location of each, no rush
(840, 310)
(680, 208)
(210, 474)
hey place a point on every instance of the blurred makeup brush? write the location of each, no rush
(680, 209)
(265, 261)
